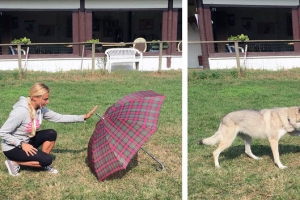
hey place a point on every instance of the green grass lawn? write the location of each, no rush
(211, 95)
(77, 93)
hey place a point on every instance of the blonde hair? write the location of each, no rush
(37, 90)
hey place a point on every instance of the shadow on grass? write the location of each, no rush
(119, 174)
(37, 169)
(68, 150)
(258, 150)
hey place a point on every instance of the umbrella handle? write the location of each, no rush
(160, 163)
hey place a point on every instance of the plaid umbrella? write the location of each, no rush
(121, 132)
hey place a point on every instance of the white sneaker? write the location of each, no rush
(50, 170)
(13, 168)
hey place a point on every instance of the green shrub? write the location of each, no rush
(234, 74)
(93, 41)
(215, 75)
(23, 40)
(203, 75)
(241, 37)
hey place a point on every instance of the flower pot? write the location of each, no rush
(156, 46)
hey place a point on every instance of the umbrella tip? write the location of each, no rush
(99, 115)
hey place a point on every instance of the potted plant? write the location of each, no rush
(91, 41)
(88, 46)
(240, 37)
(23, 40)
(154, 45)
(240, 40)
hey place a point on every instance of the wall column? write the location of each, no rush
(295, 25)
(208, 29)
(170, 29)
(201, 24)
(174, 30)
(88, 25)
(82, 29)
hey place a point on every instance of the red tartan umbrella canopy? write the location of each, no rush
(122, 131)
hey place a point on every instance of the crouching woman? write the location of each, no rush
(21, 137)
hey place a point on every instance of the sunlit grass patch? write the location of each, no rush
(210, 97)
(77, 92)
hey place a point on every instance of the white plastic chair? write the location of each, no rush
(124, 55)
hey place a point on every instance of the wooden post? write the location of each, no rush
(82, 54)
(19, 61)
(237, 57)
(160, 56)
(93, 57)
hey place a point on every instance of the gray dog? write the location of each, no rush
(269, 124)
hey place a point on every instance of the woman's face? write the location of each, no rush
(40, 101)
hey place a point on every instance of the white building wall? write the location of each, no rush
(120, 4)
(67, 64)
(38, 4)
(253, 2)
(262, 63)
(130, 4)
(89, 4)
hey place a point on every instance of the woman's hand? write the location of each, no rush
(29, 149)
(86, 116)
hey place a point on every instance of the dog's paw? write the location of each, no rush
(282, 167)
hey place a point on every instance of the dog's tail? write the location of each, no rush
(215, 139)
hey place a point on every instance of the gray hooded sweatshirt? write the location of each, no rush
(18, 125)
